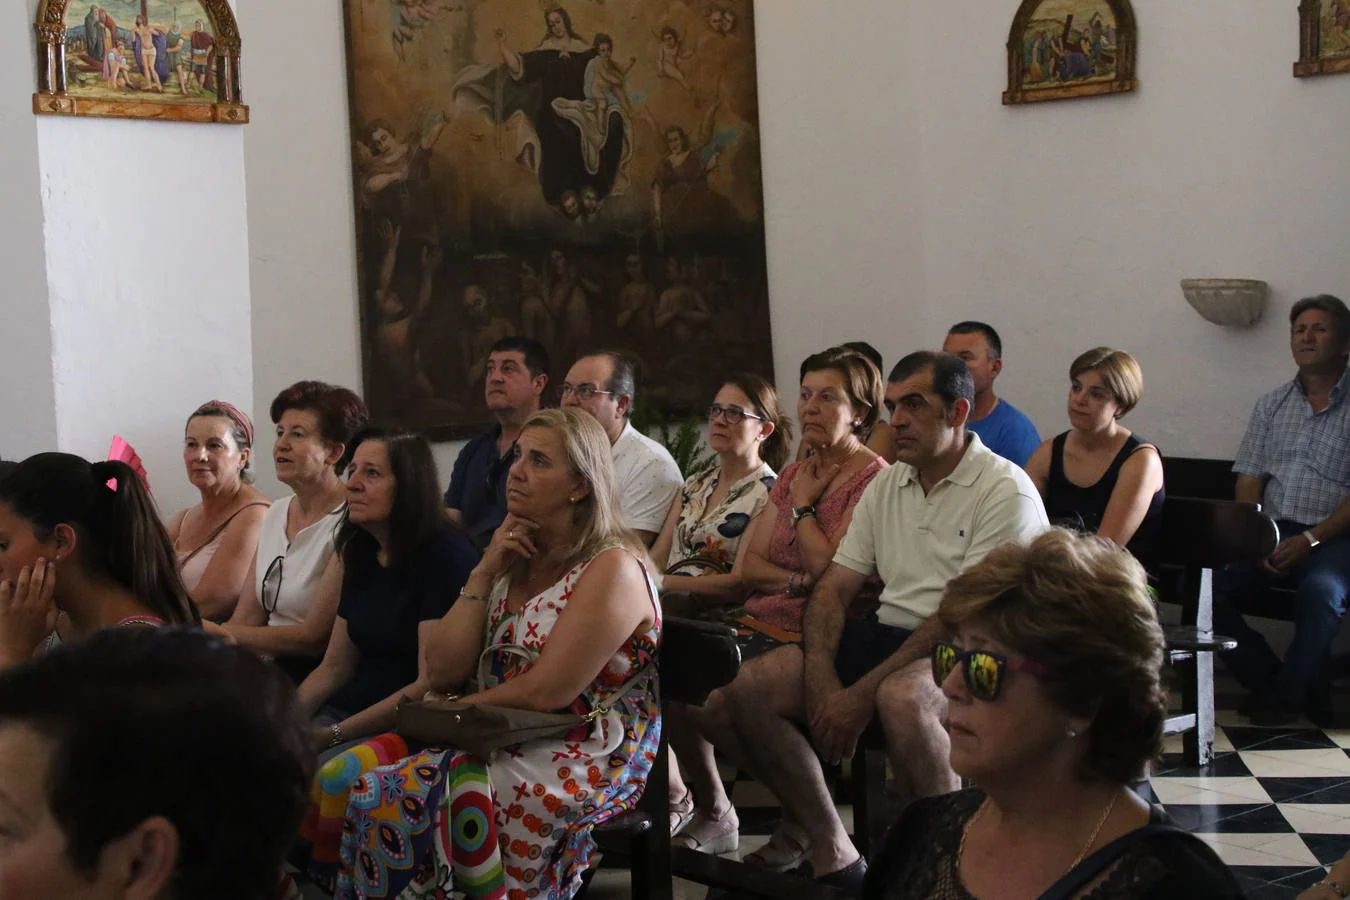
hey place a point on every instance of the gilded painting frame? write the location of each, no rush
(1095, 59)
(57, 96)
(492, 199)
(1322, 23)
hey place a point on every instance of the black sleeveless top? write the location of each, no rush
(1082, 508)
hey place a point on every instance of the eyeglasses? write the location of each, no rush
(584, 392)
(732, 415)
(271, 585)
(983, 670)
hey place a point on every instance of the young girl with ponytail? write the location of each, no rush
(84, 540)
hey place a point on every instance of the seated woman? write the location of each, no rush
(880, 437)
(1098, 477)
(700, 543)
(290, 594)
(403, 564)
(216, 540)
(153, 706)
(1052, 676)
(567, 583)
(790, 547)
(83, 541)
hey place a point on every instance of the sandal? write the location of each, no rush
(786, 850)
(708, 835)
(681, 813)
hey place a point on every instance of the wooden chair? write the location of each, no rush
(1199, 536)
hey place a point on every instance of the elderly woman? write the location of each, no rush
(1099, 477)
(290, 596)
(880, 438)
(83, 540)
(216, 540)
(566, 585)
(1052, 676)
(790, 547)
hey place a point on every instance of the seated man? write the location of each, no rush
(149, 764)
(1295, 461)
(645, 474)
(946, 503)
(517, 373)
(1002, 427)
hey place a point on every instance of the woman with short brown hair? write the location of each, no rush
(1052, 676)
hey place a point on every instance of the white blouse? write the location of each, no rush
(288, 573)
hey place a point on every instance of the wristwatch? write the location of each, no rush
(801, 512)
(1313, 543)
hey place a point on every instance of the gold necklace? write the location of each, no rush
(1092, 839)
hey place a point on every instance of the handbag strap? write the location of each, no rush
(606, 702)
(218, 530)
(1082, 874)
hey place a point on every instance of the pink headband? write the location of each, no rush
(231, 412)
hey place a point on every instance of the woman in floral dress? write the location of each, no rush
(565, 585)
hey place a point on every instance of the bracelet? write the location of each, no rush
(466, 594)
(334, 734)
(1336, 887)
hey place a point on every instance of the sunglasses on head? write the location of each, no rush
(983, 670)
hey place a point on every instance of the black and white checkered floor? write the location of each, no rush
(1274, 804)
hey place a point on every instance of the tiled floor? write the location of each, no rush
(1275, 806)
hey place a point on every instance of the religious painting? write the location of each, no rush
(1324, 37)
(1059, 49)
(586, 174)
(140, 59)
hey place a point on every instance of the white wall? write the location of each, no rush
(1069, 224)
(301, 238)
(901, 196)
(27, 400)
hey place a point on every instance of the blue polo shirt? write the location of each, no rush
(478, 486)
(1008, 432)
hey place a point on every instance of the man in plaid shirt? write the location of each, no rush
(1295, 461)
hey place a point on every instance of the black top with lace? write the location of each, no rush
(919, 860)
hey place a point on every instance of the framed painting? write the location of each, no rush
(1324, 37)
(176, 60)
(1058, 49)
(586, 174)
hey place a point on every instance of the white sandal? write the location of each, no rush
(708, 835)
(681, 813)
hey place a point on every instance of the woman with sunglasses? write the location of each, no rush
(701, 543)
(290, 596)
(1055, 705)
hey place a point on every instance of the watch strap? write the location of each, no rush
(1313, 544)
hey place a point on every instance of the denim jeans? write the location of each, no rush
(1320, 584)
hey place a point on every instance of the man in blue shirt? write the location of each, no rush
(1295, 461)
(1002, 427)
(517, 373)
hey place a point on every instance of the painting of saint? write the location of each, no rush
(140, 49)
(1335, 31)
(1059, 49)
(587, 174)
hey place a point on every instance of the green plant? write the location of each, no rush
(686, 445)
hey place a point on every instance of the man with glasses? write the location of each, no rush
(645, 474)
(947, 502)
(517, 373)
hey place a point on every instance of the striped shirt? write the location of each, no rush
(1304, 455)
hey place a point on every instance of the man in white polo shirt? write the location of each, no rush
(645, 474)
(947, 502)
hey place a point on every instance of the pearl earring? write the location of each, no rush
(1072, 733)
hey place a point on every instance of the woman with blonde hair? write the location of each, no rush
(1051, 670)
(1099, 477)
(563, 614)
